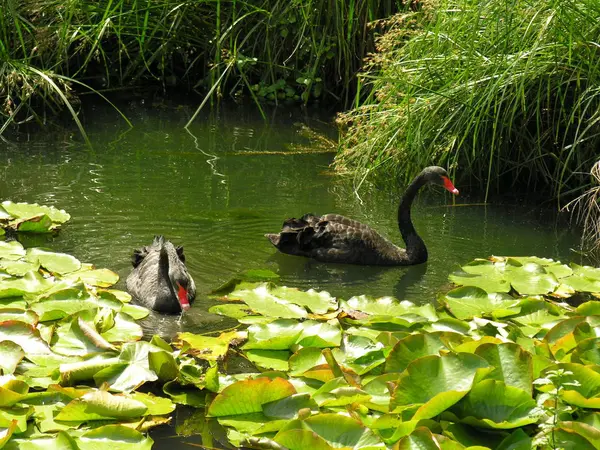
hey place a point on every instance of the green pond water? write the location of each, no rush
(233, 177)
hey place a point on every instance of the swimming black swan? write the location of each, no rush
(160, 280)
(335, 238)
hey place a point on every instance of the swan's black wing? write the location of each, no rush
(335, 238)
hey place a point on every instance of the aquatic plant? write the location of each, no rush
(264, 49)
(586, 210)
(506, 92)
(30, 217)
(509, 358)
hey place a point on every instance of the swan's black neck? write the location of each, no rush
(415, 247)
(163, 271)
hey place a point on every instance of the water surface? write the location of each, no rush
(233, 177)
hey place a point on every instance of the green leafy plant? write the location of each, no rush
(503, 93)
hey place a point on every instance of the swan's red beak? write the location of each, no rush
(183, 298)
(449, 186)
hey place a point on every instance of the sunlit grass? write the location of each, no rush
(504, 93)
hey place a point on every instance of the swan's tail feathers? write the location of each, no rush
(138, 256)
(159, 240)
(180, 253)
(274, 238)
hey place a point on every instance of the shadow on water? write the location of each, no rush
(233, 177)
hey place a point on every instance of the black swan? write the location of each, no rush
(335, 238)
(160, 280)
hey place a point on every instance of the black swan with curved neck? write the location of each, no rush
(160, 280)
(335, 238)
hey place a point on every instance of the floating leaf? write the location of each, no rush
(416, 346)
(532, 279)
(60, 263)
(94, 277)
(280, 334)
(24, 335)
(264, 302)
(28, 210)
(269, 359)
(469, 301)
(99, 405)
(249, 396)
(207, 347)
(116, 437)
(12, 354)
(31, 283)
(18, 268)
(512, 364)
(12, 250)
(493, 404)
(337, 430)
(388, 306)
(494, 281)
(436, 383)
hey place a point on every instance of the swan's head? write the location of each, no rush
(182, 283)
(438, 175)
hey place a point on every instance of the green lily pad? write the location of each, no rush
(339, 431)
(12, 250)
(269, 359)
(469, 301)
(136, 366)
(116, 437)
(59, 263)
(206, 347)
(416, 346)
(532, 279)
(12, 354)
(235, 311)
(18, 268)
(31, 283)
(512, 365)
(249, 396)
(436, 383)
(261, 300)
(388, 306)
(493, 404)
(101, 405)
(28, 210)
(94, 277)
(491, 281)
(24, 335)
(279, 334)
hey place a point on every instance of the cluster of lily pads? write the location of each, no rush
(509, 359)
(504, 362)
(30, 217)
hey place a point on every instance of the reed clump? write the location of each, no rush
(585, 209)
(270, 50)
(504, 93)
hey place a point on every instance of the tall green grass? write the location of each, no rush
(504, 93)
(299, 50)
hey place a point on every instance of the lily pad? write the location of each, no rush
(59, 263)
(469, 301)
(435, 383)
(99, 405)
(12, 250)
(388, 306)
(117, 437)
(493, 404)
(12, 354)
(28, 210)
(249, 396)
